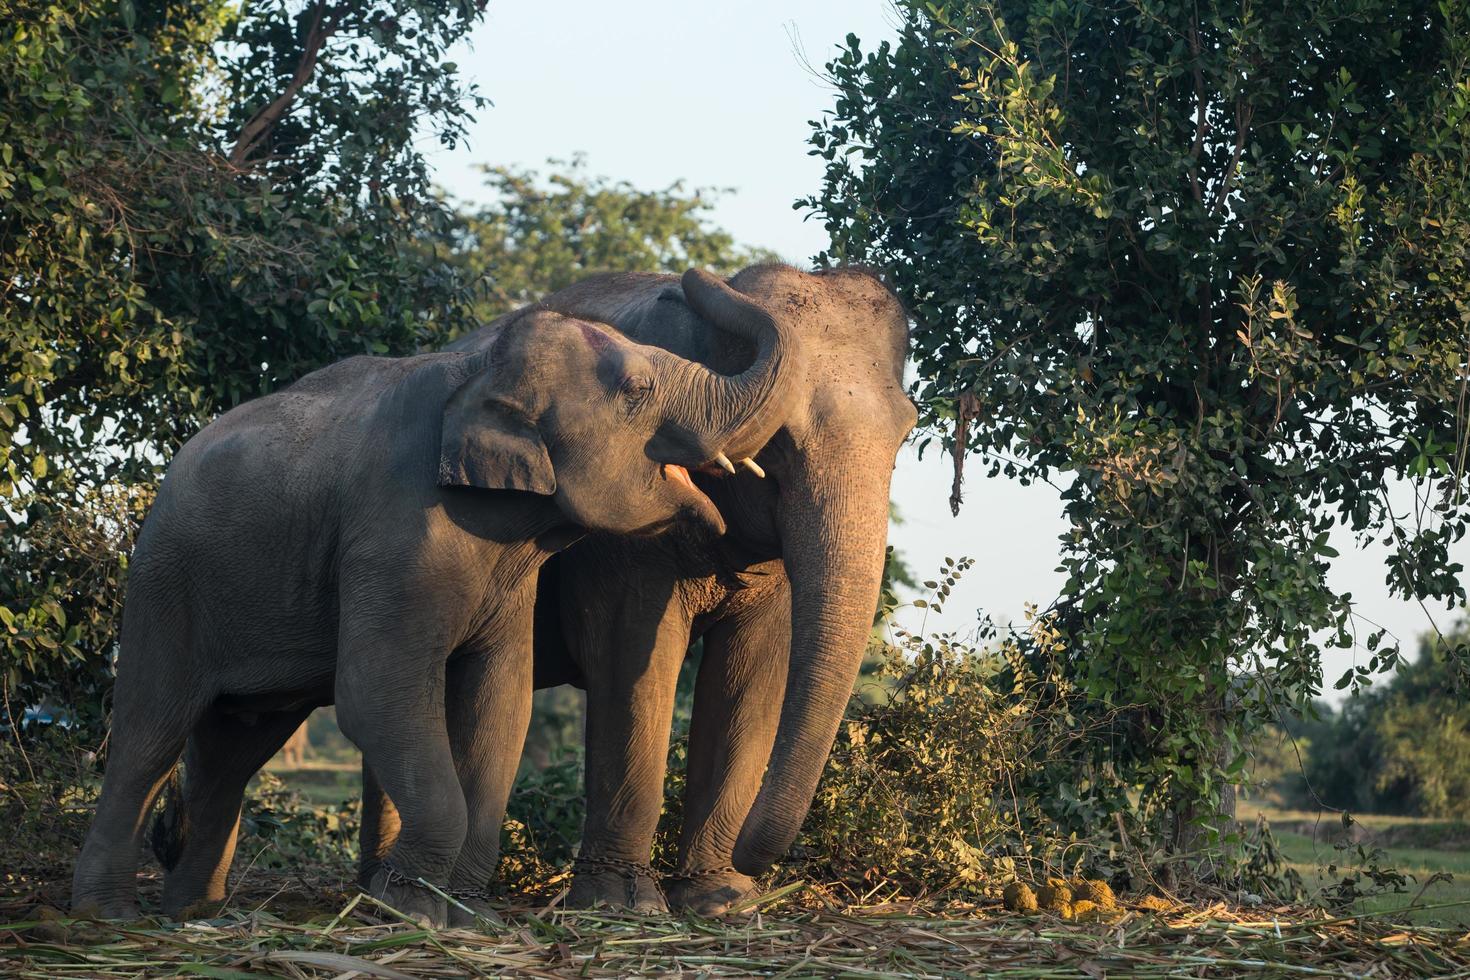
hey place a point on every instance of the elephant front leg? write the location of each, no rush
(392, 707)
(632, 668)
(737, 706)
(379, 830)
(488, 703)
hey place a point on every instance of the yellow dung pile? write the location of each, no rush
(1079, 898)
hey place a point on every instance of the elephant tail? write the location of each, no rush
(169, 830)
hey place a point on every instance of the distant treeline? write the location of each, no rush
(1401, 747)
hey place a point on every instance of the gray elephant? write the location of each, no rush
(784, 601)
(371, 536)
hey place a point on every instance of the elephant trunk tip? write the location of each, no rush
(754, 853)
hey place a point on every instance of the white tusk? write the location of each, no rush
(753, 466)
(724, 462)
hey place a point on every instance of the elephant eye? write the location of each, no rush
(635, 391)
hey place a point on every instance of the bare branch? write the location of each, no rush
(1201, 122)
(1243, 114)
(323, 25)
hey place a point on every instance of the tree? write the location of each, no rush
(539, 234)
(1205, 265)
(198, 203)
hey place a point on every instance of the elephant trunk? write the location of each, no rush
(737, 414)
(833, 532)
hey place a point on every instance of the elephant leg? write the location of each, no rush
(223, 752)
(151, 722)
(392, 707)
(488, 705)
(737, 706)
(632, 668)
(379, 829)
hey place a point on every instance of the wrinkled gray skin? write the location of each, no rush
(794, 582)
(372, 536)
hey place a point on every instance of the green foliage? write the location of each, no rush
(1205, 265)
(198, 204)
(48, 792)
(281, 829)
(961, 766)
(540, 234)
(543, 823)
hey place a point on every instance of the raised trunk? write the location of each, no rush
(738, 414)
(833, 534)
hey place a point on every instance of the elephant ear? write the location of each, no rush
(487, 442)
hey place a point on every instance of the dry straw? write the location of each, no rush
(777, 938)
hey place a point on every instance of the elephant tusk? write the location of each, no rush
(753, 466)
(724, 462)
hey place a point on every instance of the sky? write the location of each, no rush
(721, 95)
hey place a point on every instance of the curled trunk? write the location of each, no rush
(736, 414)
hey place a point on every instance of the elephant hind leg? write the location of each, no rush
(151, 721)
(223, 752)
(737, 705)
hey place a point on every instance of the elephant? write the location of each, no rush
(784, 601)
(371, 537)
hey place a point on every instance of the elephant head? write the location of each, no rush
(831, 458)
(569, 408)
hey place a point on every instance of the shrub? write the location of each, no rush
(543, 823)
(279, 828)
(961, 766)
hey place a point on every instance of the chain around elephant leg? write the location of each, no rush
(708, 892)
(610, 881)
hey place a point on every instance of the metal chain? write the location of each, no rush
(472, 894)
(456, 896)
(629, 871)
(703, 873)
(623, 869)
(392, 876)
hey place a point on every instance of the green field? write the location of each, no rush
(1416, 847)
(321, 783)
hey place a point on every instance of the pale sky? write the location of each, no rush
(720, 95)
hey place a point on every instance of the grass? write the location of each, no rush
(322, 782)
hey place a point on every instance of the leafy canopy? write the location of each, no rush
(1204, 264)
(537, 234)
(199, 202)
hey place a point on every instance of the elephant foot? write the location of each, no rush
(478, 909)
(197, 909)
(55, 926)
(708, 893)
(405, 895)
(616, 884)
(123, 909)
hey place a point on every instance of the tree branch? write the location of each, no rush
(254, 132)
(1243, 114)
(1201, 121)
